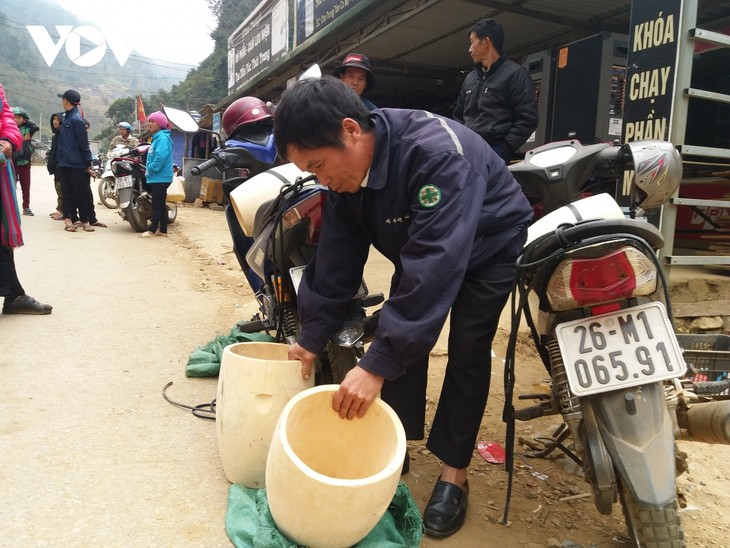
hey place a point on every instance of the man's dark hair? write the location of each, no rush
(309, 114)
(489, 28)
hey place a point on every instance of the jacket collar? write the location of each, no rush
(495, 66)
(379, 167)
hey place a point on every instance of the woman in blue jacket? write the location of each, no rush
(159, 172)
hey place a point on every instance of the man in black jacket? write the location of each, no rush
(497, 99)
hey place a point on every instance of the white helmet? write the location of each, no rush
(657, 172)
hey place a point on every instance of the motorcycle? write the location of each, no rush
(274, 214)
(603, 330)
(132, 198)
(107, 188)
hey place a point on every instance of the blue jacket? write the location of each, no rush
(159, 158)
(73, 142)
(438, 202)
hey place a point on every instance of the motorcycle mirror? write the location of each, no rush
(181, 119)
(312, 73)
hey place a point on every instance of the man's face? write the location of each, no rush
(20, 120)
(124, 132)
(478, 48)
(355, 78)
(340, 169)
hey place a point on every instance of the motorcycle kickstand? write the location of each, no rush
(562, 432)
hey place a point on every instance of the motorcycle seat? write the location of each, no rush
(567, 236)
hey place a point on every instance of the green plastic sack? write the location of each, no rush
(249, 523)
(205, 361)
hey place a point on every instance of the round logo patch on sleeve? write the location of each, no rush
(429, 195)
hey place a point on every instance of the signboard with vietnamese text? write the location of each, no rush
(651, 72)
(315, 15)
(260, 41)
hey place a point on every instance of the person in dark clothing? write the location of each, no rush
(52, 165)
(356, 73)
(497, 98)
(74, 163)
(434, 199)
(16, 301)
(22, 166)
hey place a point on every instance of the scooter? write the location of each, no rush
(603, 330)
(274, 214)
(130, 184)
(107, 188)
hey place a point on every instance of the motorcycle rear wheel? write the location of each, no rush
(340, 359)
(106, 188)
(134, 215)
(171, 212)
(651, 527)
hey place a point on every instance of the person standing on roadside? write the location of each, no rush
(52, 165)
(16, 301)
(497, 98)
(159, 172)
(355, 72)
(74, 163)
(435, 200)
(22, 163)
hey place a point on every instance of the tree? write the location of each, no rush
(205, 84)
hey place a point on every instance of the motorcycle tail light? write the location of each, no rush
(624, 273)
(309, 208)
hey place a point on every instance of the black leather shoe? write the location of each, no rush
(25, 304)
(406, 464)
(445, 512)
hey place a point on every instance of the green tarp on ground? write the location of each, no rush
(249, 523)
(205, 361)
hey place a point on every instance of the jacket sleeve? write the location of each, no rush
(9, 130)
(459, 107)
(524, 108)
(333, 277)
(82, 140)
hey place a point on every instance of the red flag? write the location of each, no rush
(140, 110)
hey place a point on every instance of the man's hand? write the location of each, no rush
(307, 358)
(356, 393)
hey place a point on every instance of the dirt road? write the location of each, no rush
(91, 454)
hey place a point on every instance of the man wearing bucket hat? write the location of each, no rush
(355, 72)
(437, 201)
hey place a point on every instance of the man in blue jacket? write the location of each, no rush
(74, 164)
(433, 198)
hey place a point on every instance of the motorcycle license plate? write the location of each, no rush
(124, 182)
(620, 349)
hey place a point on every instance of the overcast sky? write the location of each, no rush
(167, 30)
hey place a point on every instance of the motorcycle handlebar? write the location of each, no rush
(205, 166)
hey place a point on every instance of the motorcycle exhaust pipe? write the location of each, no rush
(706, 422)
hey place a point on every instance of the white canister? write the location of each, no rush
(330, 480)
(255, 382)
